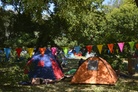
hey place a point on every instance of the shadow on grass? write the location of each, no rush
(11, 73)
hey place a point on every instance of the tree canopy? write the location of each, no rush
(72, 22)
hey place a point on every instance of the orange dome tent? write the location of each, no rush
(95, 70)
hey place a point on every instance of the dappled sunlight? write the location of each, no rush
(103, 75)
(9, 81)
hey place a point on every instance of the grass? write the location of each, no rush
(12, 72)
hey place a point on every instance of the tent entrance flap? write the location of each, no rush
(93, 65)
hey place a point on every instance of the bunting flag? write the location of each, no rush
(42, 51)
(121, 46)
(108, 51)
(117, 51)
(77, 49)
(136, 45)
(131, 45)
(54, 50)
(65, 49)
(89, 48)
(30, 51)
(7, 52)
(100, 48)
(110, 46)
(18, 50)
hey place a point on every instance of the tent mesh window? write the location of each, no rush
(93, 65)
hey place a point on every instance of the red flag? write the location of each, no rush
(89, 48)
(18, 50)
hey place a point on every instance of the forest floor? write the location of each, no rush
(12, 73)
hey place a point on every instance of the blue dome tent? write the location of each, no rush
(43, 65)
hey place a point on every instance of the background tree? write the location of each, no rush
(72, 22)
(83, 19)
(122, 24)
(5, 26)
(2, 28)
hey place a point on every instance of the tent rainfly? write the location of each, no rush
(95, 70)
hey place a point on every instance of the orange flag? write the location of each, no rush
(136, 46)
(110, 46)
(42, 51)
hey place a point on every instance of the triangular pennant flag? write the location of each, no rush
(121, 46)
(65, 49)
(30, 51)
(116, 50)
(100, 48)
(54, 50)
(18, 50)
(108, 51)
(7, 52)
(89, 48)
(42, 51)
(131, 45)
(110, 46)
(136, 45)
(77, 49)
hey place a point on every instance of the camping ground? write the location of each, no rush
(12, 73)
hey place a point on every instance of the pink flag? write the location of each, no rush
(121, 46)
(54, 50)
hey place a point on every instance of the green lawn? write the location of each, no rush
(12, 72)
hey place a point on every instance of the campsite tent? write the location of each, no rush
(44, 65)
(95, 70)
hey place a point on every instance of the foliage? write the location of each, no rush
(121, 23)
(82, 17)
(71, 23)
(5, 18)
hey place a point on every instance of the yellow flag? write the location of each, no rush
(30, 51)
(100, 48)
